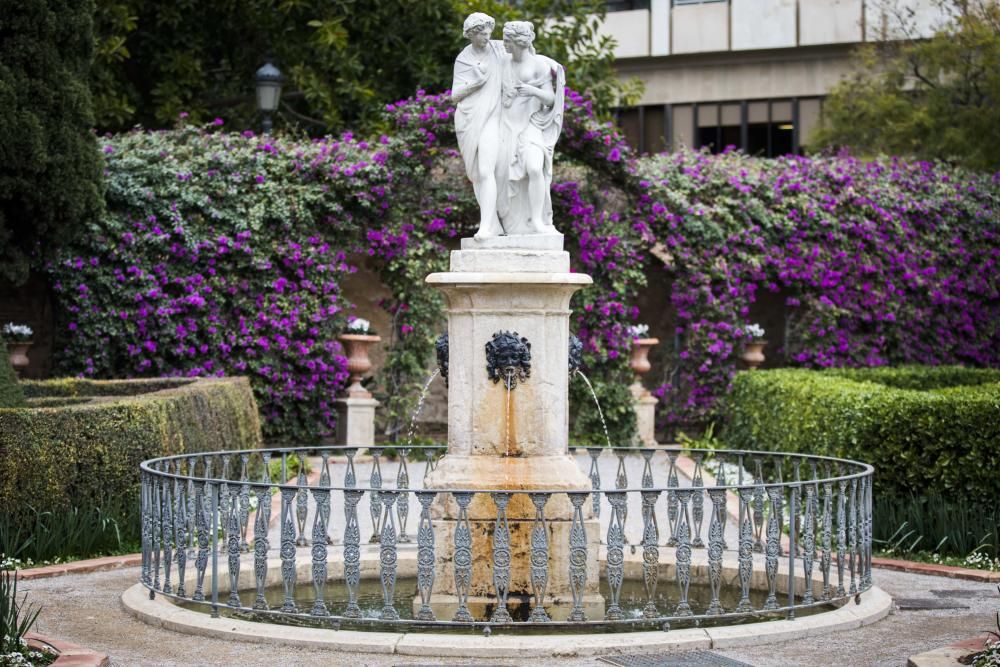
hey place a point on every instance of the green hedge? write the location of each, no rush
(919, 377)
(88, 454)
(11, 394)
(943, 440)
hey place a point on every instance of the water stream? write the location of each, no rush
(600, 413)
(420, 406)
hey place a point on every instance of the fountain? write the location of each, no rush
(514, 529)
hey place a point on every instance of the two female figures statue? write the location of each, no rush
(508, 116)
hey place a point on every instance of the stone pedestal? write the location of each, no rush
(356, 420)
(514, 439)
(645, 414)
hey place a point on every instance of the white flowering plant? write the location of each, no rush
(360, 326)
(638, 330)
(755, 331)
(17, 332)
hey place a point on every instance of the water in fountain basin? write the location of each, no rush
(371, 600)
(600, 413)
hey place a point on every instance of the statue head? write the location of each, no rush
(520, 34)
(478, 27)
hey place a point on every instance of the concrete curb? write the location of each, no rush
(70, 655)
(948, 571)
(161, 612)
(948, 655)
(80, 567)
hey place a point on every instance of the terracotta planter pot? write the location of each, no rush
(358, 363)
(18, 353)
(753, 354)
(639, 362)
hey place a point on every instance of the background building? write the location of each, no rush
(748, 73)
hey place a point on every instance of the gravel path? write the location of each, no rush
(86, 609)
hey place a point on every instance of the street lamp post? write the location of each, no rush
(268, 92)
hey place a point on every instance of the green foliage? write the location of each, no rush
(52, 459)
(931, 98)
(291, 469)
(86, 388)
(616, 404)
(11, 393)
(937, 441)
(16, 616)
(945, 526)
(343, 60)
(569, 33)
(49, 166)
(920, 377)
(76, 532)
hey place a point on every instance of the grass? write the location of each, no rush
(925, 528)
(34, 537)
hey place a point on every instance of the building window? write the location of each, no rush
(765, 128)
(678, 3)
(627, 5)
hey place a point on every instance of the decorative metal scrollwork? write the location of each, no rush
(352, 551)
(746, 552)
(463, 557)
(650, 551)
(425, 555)
(539, 558)
(508, 358)
(616, 554)
(577, 556)
(683, 566)
(773, 544)
(501, 558)
(715, 549)
(233, 549)
(441, 349)
(260, 541)
(388, 556)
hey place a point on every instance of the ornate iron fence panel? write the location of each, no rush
(806, 542)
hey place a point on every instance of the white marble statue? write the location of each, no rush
(476, 90)
(508, 116)
(531, 120)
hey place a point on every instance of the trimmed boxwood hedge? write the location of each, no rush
(88, 454)
(11, 394)
(933, 438)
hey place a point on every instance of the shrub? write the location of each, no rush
(79, 531)
(17, 617)
(221, 254)
(920, 377)
(880, 262)
(88, 455)
(935, 524)
(50, 169)
(11, 394)
(935, 441)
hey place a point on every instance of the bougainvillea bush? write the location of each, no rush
(222, 253)
(885, 262)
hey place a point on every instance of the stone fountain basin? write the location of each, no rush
(873, 605)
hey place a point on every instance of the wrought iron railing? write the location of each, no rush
(800, 526)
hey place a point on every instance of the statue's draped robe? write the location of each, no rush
(473, 113)
(527, 122)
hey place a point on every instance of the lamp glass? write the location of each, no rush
(268, 95)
